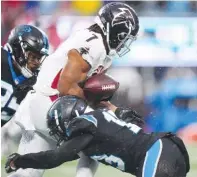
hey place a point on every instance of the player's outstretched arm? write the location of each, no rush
(73, 74)
(49, 159)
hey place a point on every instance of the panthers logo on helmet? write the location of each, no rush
(120, 18)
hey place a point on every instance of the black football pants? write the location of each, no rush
(166, 158)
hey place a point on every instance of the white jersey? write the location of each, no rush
(89, 44)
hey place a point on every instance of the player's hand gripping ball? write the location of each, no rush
(100, 87)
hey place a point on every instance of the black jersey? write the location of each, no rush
(11, 93)
(116, 143)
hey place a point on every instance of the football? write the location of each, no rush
(100, 87)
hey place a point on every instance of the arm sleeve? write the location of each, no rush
(53, 158)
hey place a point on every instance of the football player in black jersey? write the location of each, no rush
(101, 136)
(21, 57)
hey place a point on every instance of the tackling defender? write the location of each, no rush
(103, 137)
(82, 55)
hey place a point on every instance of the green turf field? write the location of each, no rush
(68, 169)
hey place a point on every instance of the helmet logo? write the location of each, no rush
(118, 18)
(25, 29)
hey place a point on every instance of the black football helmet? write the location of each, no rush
(25, 43)
(120, 24)
(63, 110)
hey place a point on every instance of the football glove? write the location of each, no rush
(26, 85)
(129, 116)
(10, 166)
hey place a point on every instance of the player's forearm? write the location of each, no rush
(48, 159)
(73, 73)
(67, 83)
(41, 160)
(53, 158)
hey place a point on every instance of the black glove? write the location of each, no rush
(129, 116)
(27, 84)
(10, 166)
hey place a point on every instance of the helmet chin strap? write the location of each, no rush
(8, 47)
(26, 72)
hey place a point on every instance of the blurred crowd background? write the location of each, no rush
(158, 77)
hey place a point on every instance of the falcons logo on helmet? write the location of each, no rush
(120, 18)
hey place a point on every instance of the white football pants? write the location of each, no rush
(31, 117)
(10, 137)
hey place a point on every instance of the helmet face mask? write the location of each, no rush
(124, 46)
(121, 38)
(32, 59)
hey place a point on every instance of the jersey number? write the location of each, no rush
(6, 96)
(91, 38)
(111, 160)
(99, 70)
(134, 128)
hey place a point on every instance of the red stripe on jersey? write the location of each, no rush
(54, 85)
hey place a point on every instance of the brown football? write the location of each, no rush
(100, 87)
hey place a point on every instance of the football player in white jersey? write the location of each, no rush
(83, 54)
